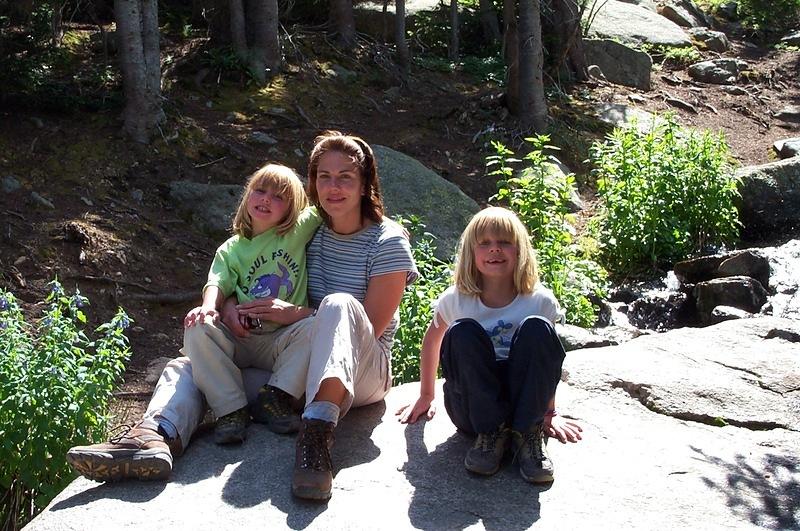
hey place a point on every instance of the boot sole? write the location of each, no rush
(543, 478)
(310, 493)
(119, 465)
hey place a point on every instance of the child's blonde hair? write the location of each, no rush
(504, 224)
(281, 180)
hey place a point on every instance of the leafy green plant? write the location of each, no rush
(55, 385)
(667, 193)
(416, 309)
(539, 196)
(769, 15)
(673, 55)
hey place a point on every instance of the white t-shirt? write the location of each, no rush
(499, 323)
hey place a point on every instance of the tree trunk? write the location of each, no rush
(567, 50)
(532, 103)
(137, 28)
(400, 35)
(343, 21)
(452, 51)
(511, 55)
(238, 33)
(265, 54)
(489, 25)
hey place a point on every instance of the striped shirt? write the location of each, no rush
(345, 263)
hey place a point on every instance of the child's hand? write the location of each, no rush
(200, 315)
(423, 406)
(562, 429)
(236, 322)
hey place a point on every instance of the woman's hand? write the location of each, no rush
(275, 310)
(231, 318)
(423, 406)
(563, 429)
(200, 315)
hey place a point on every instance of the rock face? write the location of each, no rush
(619, 64)
(684, 13)
(787, 148)
(717, 71)
(411, 188)
(740, 292)
(633, 24)
(693, 429)
(770, 196)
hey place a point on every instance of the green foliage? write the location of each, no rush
(431, 31)
(55, 385)
(667, 193)
(416, 309)
(770, 15)
(674, 55)
(540, 199)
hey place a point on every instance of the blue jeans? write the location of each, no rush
(481, 392)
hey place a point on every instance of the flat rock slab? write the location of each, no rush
(636, 468)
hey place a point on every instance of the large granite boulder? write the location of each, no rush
(691, 429)
(633, 24)
(409, 188)
(684, 13)
(740, 292)
(619, 64)
(770, 197)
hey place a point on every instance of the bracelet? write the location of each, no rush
(550, 413)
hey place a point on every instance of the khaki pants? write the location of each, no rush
(217, 358)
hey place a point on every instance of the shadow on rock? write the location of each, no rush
(134, 492)
(446, 496)
(267, 460)
(768, 496)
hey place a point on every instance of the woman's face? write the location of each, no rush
(340, 186)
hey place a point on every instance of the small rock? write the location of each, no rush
(155, 368)
(9, 184)
(729, 10)
(299, 152)
(792, 39)
(790, 113)
(86, 201)
(138, 329)
(595, 72)
(637, 98)
(137, 195)
(392, 93)
(727, 313)
(161, 337)
(716, 41)
(733, 90)
(787, 148)
(262, 138)
(717, 71)
(21, 260)
(209, 104)
(342, 73)
(276, 110)
(686, 106)
(37, 122)
(42, 201)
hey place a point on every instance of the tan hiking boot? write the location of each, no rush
(312, 477)
(487, 452)
(531, 454)
(273, 407)
(137, 453)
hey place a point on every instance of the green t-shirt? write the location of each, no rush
(268, 265)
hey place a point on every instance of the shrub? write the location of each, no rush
(666, 193)
(55, 385)
(769, 15)
(416, 309)
(540, 200)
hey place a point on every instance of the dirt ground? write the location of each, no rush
(113, 233)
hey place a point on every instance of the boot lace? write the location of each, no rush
(314, 448)
(487, 442)
(532, 446)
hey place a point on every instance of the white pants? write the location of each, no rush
(342, 345)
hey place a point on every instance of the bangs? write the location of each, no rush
(500, 226)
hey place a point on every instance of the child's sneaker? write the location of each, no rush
(531, 453)
(231, 428)
(487, 452)
(137, 453)
(273, 407)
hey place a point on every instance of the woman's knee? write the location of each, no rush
(338, 300)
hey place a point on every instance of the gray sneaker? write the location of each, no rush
(231, 428)
(273, 407)
(531, 453)
(487, 452)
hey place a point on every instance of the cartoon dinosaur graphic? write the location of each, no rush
(268, 285)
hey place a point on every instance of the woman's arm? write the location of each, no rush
(384, 293)
(428, 367)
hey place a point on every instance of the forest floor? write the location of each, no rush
(114, 233)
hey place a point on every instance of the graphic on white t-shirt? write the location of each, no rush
(501, 334)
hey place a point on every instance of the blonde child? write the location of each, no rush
(264, 259)
(501, 357)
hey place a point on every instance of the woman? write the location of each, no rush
(358, 266)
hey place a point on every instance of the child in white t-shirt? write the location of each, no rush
(501, 357)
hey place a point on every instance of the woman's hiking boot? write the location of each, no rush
(137, 453)
(232, 428)
(312, 477)
(531, 453)
(487, 452)
(273, 407)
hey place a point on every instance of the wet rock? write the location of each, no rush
(660, 312)
(740, 292)
(749, 263)
(619, 63)
(716, 41)
(787, 148)
(717, 71)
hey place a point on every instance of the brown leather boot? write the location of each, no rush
(313, 476)
(138, 453)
